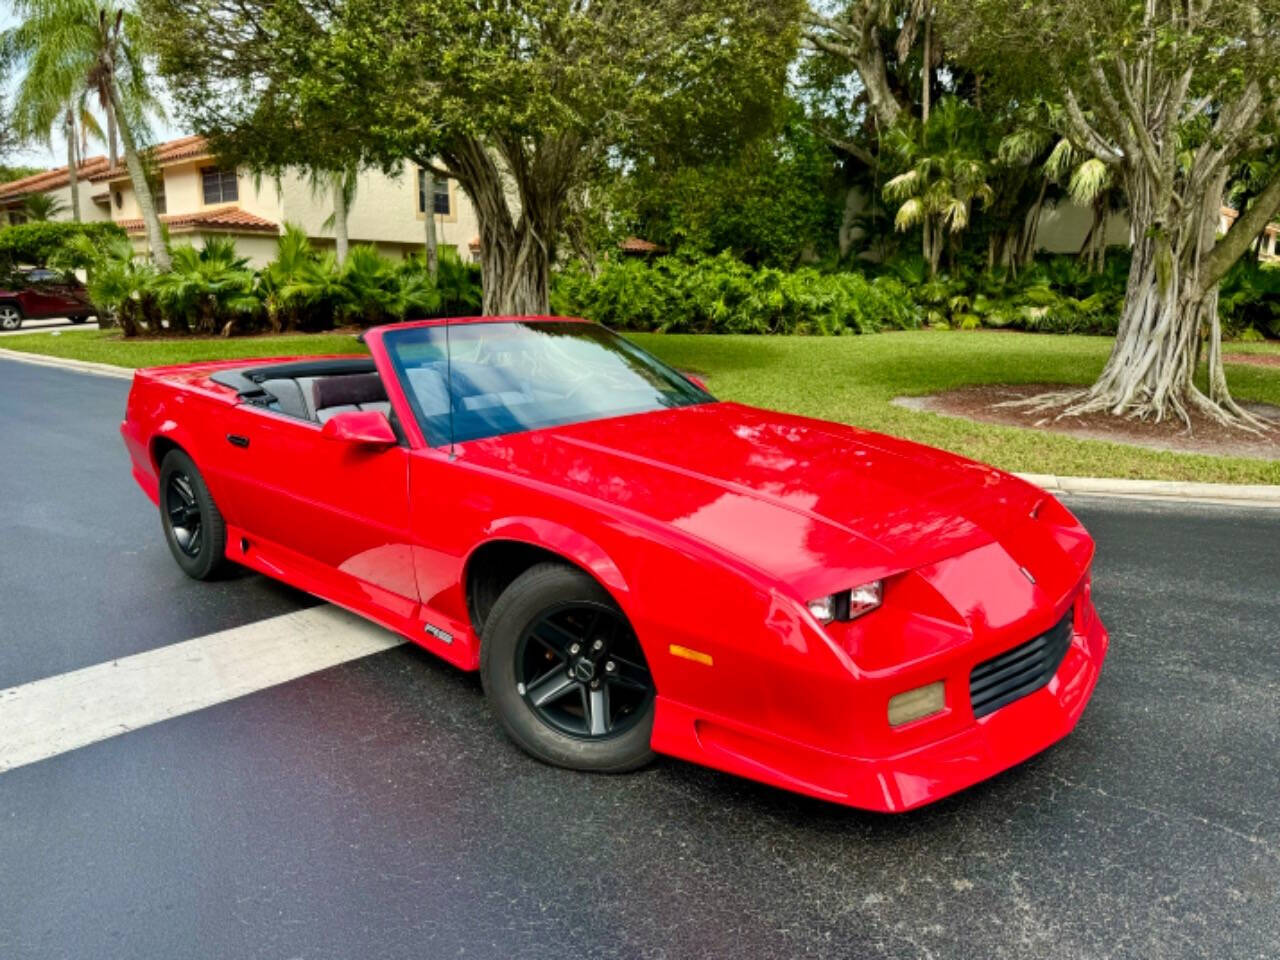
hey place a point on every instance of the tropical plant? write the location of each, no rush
(723, 295)
(47, 101)
(118, 283)
(458, 285)
(42, 207)
(207, 290)
(294, 256)
(1249, 300)
(68, 48)
(946, 173)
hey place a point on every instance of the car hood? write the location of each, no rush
(820, 506)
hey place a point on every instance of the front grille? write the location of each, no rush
(1022, 670)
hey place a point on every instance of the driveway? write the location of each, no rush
(48, 325)
(373, 808)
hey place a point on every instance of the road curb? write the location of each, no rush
(1240, 495)
(79, 366)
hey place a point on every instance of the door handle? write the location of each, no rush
(236, 440)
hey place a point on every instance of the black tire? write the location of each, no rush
(558, 600)
(10, 316)
(193, 525)
(82, 318)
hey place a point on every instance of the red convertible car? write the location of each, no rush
(634, 566)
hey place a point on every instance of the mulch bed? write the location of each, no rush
(1206, 436)
(1253, 359)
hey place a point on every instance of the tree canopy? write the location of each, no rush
(522, 103)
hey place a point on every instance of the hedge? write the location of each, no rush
(722, 295)
(32, 244)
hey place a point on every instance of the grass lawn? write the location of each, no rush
(851, 379)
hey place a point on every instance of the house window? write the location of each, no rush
(219, 185)
(157, 199)
(440, 199)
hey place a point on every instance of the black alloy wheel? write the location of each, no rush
(184, 513)
(193, 524)
(582, 672)
(565, 673)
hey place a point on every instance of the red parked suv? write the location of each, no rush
(39, 293)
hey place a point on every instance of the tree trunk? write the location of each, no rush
(340, 238)
(1026, 251)
(926, 69)
(73, 172)
(141, 188)
(515, 255)
(113, 147)
(515, 269)
(932, 230)
(1169, 298)
(429, 216)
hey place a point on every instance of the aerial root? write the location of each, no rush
(1078, 403)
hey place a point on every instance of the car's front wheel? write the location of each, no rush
(10, 317)
(565, 673)
(193, 525)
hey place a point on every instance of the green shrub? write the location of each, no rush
(1249, 300)
(35, 244)
(209, 290)
(212, 289)
(683, 294)
(1054, 295)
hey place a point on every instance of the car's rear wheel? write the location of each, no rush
(10, 317)
(79, 319)
(193, 525)
(565, 673)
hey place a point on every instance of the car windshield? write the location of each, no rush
(486, 379)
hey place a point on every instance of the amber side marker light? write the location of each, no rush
(697, 656)
(917, 704)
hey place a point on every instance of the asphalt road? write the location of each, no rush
(374, 810)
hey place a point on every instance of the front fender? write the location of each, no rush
(565, 541)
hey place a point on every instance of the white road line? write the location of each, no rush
(51, 716)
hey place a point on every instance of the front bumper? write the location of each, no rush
(909, 779)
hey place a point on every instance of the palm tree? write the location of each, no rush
(43, 106)
(41, 206)
(68, 47)
(947, 170)
(341, 185)
(429, 216)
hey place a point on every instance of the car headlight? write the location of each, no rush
(848, 604)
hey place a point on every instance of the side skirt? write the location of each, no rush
(426, 627)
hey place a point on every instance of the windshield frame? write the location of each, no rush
(432, 437)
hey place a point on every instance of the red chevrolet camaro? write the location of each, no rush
(634, 566)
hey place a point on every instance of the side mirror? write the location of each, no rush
(696, 380)
(368, 428)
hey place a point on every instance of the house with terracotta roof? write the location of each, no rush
(1269, 244)
(198, 197)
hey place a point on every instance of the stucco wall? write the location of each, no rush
(260, 249)
(90, 212)
(1064, 228)
(385, 210)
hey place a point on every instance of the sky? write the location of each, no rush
(38, 155)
